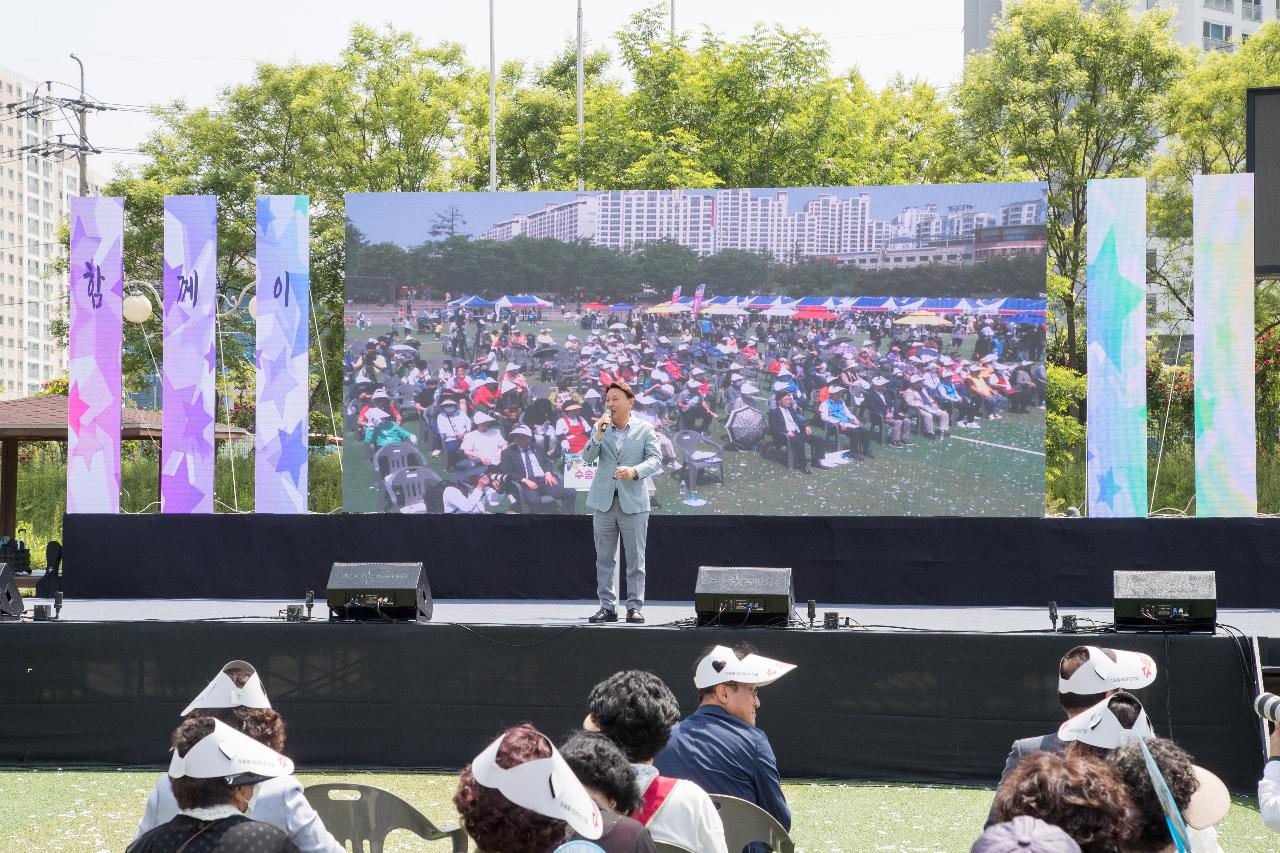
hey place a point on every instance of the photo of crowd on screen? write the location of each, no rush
(460, 398)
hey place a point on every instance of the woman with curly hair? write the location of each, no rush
(1200, 796)
(611, 781)
(236, 697)
(214, 773)
(508, 806)
(1081, 795)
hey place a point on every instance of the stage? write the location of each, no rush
(921, 694)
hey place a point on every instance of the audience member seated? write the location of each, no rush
(519, 796)
(213, 773)
(611, 781)
(236, 697)
(718, 746)
(1086, 676)
(637, 710)
(382, 430)
(1082, 796)
(1201, 796)
(1097, 731)
(790, 432)
(531, 472)
(1269, 785)
(1024, 834)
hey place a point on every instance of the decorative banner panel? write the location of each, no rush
(190, 309)
(1116, 469)
(94, 343)
(1226, 479)
(283, 297)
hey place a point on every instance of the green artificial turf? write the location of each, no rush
(983, 471)
(98, 810)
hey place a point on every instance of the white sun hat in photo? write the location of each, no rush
(226, 753)
(1110, 669)
(222, 692)
(721, 665)
(1099, 726)
(546, 786)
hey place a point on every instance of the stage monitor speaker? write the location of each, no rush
(378, 591)
(737, 596)
(1262, 158)
(10, 598)
(1165, 602)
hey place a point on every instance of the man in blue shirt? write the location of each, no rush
(718, 746)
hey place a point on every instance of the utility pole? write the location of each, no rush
(673, 21)
(581, 126)
(84, 139)
(493, 107)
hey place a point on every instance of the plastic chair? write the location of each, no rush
(391, 458)
(408, 489)
(696, 461)
(373, 815)
(668, 847)
(746, 823)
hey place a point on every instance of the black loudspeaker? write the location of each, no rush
(1262, 158)
(735, 596)
(378, 591)
(10, 598)
(1165, 602)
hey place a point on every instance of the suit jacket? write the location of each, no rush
(639, 450)
(778, 427)
(878, 404)
(513, 462)
(1030, 745)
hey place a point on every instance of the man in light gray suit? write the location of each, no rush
(627, 449)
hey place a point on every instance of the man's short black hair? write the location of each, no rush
(1073, 702)
(636, 710)
(739, 649)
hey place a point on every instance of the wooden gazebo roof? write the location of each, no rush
(44, 418)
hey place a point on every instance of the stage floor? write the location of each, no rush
(1253, 622)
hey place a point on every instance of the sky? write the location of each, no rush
(141, 52)
(404, 218)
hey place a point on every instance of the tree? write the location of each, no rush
(381, 118)
(447, 222)
(1070, 94)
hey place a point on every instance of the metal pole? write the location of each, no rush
(84, 140)
(581, 125)
(493, 107)
(673, 20)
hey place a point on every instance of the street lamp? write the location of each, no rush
(138, 307)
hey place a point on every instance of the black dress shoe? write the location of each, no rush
(634, 616)
(603, 615)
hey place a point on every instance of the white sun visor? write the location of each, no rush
(722, 665)
(223, 693)
(1099, 726)
(1110, 669)
(546, 786)
(227, 753)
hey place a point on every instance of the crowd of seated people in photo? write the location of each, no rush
(639, 773)
(500, 407)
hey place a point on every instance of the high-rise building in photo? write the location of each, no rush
(34, 193)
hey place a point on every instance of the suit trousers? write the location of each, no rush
(633, 529)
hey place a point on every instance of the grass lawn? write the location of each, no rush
(98, 810)
(986, 471)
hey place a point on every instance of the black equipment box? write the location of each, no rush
(1165, 602)
(738, 596)
(381, 591)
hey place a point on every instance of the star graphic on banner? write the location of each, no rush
(76, 407)
(281, 380)
(265, 216)
(293, 452)
(1108, 488)
(1126, 296)
(190, 419)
